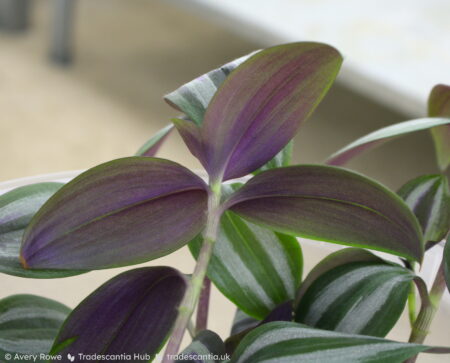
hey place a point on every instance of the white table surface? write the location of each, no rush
(395, 50)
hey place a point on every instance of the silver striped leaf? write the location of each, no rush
(353, 291)
(254, 267)
(28, 325)
(17, 208)
(428, 197)
(285, 342)
(205, 347)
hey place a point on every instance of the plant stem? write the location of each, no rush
(203, 306)
(412, 304)
(192, 294)
(428, 310)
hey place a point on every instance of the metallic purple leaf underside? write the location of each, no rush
(123, 212)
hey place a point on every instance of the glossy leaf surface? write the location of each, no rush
(330, 204)
(151, 147)
(17, 207)
(428, 197)
(130, 314)
(284, 342)
(439, 106)
(122, 212)
(193, 97)
(254, 267)
(260, 106)
(380, 136)
(206, 344)
(29, 325)
(353, 291)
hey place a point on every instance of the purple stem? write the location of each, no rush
(203, 306)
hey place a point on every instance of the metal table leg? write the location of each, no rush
(61, 47)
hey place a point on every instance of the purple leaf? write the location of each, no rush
(130, 314)
(439, 106)
(379, 137)
(193, 97)
(122, 212)
(191, 135)
(330, 204)
(151, 147)
(260, 106)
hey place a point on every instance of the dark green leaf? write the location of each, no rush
(207, 347)
(380, 136)
(29, 325)
(439, 106)
(353, 291)
(284, 342)
(130, 314)
(151, 147)
(254, 267)
(17, 207)
(122, 212)
(330, 204)
(428, 197)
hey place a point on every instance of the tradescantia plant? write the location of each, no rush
(238, 121)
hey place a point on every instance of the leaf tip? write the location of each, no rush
(24, 263)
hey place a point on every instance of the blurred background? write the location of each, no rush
(81, 82)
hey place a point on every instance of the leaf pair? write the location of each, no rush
(136, 209)
(350, 291)
(257, 109)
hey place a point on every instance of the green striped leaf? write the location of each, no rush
(207, 347)
(17, 207)
(428, 197)
(193, 97)
(284, 342)
(254, 267)
(353, 291)
(439, 106)
(28, 325)
(447, 262)
(151, 147)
